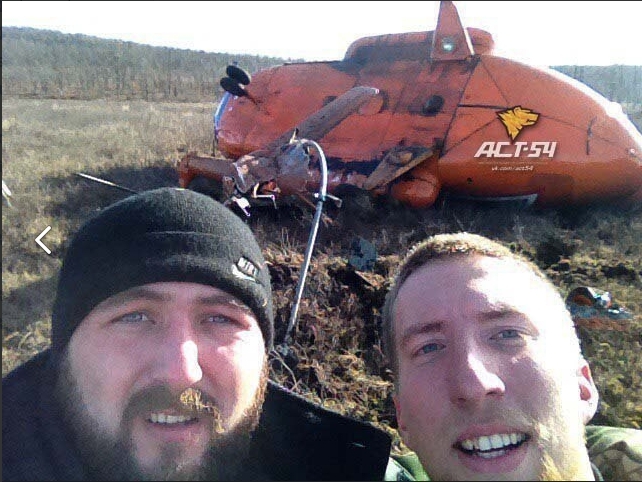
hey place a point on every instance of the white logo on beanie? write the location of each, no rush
(244, 268)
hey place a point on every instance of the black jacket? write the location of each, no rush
(295, 439)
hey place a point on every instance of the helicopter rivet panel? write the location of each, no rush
(482, 89)
(544, 90)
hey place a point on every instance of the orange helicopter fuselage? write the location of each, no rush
(500, 128)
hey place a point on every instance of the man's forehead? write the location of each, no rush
(466, 267)
(493, 285)
(172, 291)
(512, 275)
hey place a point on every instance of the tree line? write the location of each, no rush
(619, 83)
(49, 64)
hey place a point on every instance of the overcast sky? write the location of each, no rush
(539, 33)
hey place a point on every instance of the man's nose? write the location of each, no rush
(474, 377)
(180, 365)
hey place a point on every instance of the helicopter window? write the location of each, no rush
(433, 105)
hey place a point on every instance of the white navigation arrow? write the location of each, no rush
(40, 243)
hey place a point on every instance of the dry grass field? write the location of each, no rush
(335, 358)
(44, 144)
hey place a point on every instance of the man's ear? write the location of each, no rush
(401, 425)
(589, 396)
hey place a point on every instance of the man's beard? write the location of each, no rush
(109, 458)
(569, 463)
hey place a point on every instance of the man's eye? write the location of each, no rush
(218, 319)
(135, 317)
(508, 334)
(430, 348)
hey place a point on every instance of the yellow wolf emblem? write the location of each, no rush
(516, 119)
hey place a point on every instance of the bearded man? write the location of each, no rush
(158, 366)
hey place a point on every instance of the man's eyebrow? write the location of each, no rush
(419, 329)
(143, 293)
(499, 311)
(132, 294)
(223, 299)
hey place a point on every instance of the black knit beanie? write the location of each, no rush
(167, 234)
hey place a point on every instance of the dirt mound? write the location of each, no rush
(335, 356)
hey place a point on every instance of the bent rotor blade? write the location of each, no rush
(325, 119)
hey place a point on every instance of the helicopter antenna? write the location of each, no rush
(107, 183)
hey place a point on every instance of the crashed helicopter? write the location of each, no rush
(413, 115)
